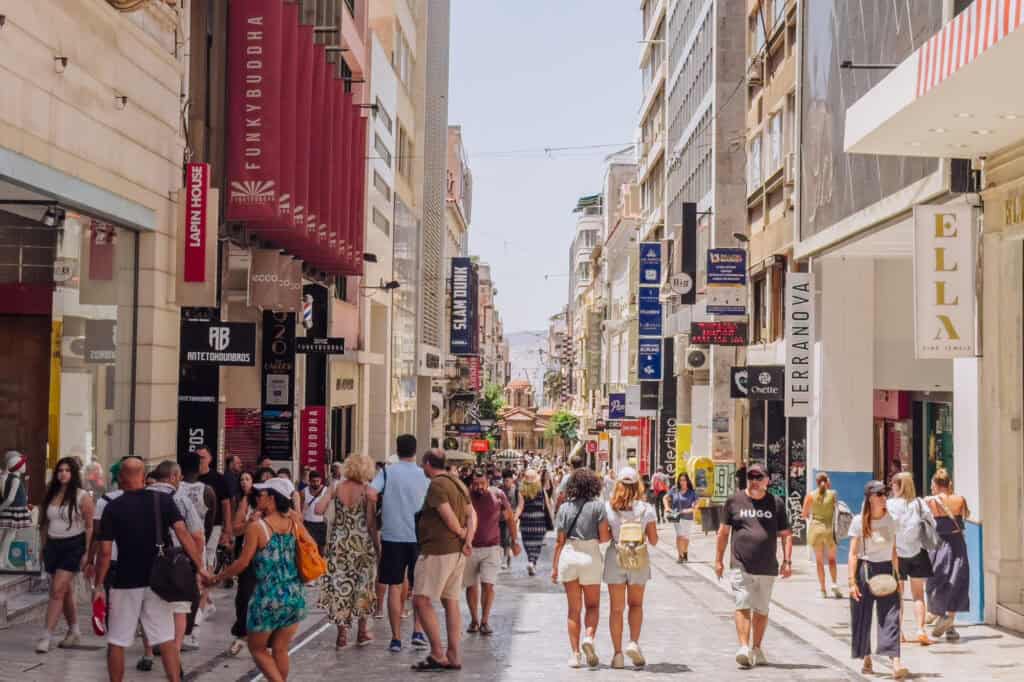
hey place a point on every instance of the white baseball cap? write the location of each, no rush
(628, 475)
(281, 486)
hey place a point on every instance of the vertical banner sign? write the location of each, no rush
(667, 413)
(265, 275)
(277, 382)
(312, 441)
(463, 302)
(316, 148)
(254, 111)
(303, 112)
(475, 380)
(799, 344)
(289, 131)
(689, 253)
(649, 360)
(316, 363)
(198, 391)
(727, 282)
(197, 186)
(650, 264)
(944, 262)
(649, 311)
(616, 405)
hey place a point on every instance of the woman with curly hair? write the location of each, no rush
(581, 525)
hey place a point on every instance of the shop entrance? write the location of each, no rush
(342, 423)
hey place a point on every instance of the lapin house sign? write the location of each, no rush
(799, 389)
(944, 262)
(197, 185)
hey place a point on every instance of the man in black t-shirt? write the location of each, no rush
(222, 530)
(130, 521)
(756, 519)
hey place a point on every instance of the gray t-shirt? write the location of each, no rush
(590, 518)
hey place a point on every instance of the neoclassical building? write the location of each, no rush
(523, 425)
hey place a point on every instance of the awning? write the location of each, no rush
(957, 96)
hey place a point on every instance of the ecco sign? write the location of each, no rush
(218, 343)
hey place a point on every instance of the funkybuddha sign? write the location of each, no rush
(944, 279)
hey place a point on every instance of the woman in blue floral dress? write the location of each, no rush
(278, 604)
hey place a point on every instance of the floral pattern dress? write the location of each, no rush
(278, 600)
(348, 589)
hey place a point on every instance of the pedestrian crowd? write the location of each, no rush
(391, 541)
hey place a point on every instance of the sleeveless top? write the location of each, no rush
(823, 510)
(58, 526)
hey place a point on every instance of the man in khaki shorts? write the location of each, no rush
(491, 506)
(446, 526)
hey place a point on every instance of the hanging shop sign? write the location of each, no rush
(650, 263)
(218, 343)
(944, 274)
(278, 385)
(799, 385)
(758, 382)
(616, 406)
(320, 346)
(727, 282)
(463, 331)
(100, 341)
(99, 251)
(649, 360)
(665, 451)
(465, 429)
(197, 187)
(480, 445)
(591, 447)
(198, 387)
(649, 311)
(718, 333)
(685, 285)
(475, 374)
(313, 438)
(649, 398)
(630, 428)
(266, 271)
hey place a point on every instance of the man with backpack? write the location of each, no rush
(204, 499)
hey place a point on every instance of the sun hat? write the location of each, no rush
(628, 475)
(281, 486)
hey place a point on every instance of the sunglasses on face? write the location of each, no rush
(755, 477)
(880, 493)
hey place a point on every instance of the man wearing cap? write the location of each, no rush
(756, 519)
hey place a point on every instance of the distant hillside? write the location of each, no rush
(527, 363)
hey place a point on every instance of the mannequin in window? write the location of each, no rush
(14, 513)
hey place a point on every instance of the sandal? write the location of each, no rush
(430, 664)
(473, 627)
(867, 668)
(363, 638)
(145, 664)
(485, 629)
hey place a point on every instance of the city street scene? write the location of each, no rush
(515, 340)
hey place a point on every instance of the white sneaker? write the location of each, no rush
(576, 660)
(836, 592)
(618, 662)
(190, 642)
(587, 645)
(943, 625)
(72, 639)
(530, 569)
(43, 645)
(236, 647)
(743, 657)
(757, 656)
(635, 655)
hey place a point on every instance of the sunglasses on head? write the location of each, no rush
(755, 477)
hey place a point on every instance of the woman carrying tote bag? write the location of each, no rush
(873, 566)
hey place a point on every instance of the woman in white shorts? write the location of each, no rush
(581, 526)
(626, 506)
(679, 505)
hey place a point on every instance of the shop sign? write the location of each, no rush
(685, 286)
(475, 377)
(631, 428)
(616, 406)
(313, 440)
(650, 263)
(727, 282)
(218, 343)
(591, 447)
(99, 249)
(799, 388)
(323, 346)
(277, 384)
(198, 388)
(758, 382)
(197, 186)
(100, 341)
(463, 331)
(944, 274)
(479, 445)
(254, 126)
(666, 443)
(649, 398)
(266, 271)
(649, 312)
(649, 365)
(613, 425)
(633, 400)
(718, 333)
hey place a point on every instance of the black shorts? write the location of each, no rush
(318, 531)
(397, 562)
(64, 554)
(919, 566)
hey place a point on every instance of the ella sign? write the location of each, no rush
(944, 266)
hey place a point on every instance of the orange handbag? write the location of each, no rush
(311, 566)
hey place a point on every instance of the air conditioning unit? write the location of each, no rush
(697, 359)
(791, 169)
(755, 71)
(72, 347)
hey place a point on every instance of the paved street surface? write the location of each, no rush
(688, 631)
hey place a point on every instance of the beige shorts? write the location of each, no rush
(439, 576)
(482, 566)
(581, 560)
(752, 592)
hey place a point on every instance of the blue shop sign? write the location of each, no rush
(650, 262)
(649, 365)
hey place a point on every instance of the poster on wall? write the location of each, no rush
(799, 388)
(278, 385)
(727, 282)
(944, 267)
(796, 477)
(198, 387)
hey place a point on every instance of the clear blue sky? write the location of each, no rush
(530, 75)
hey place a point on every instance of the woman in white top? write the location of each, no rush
(626, 585)
(65, 528)
(908, 511)
(873, 553)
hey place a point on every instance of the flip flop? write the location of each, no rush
(485, 629)
(430, 664)
(473, 627)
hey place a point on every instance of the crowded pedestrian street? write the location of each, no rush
(688, 632)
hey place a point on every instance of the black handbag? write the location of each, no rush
(172, 576)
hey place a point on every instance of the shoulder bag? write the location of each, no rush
(881, 585)
(308, 562)
(172, 576)
(631, 549)
(927, 531)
